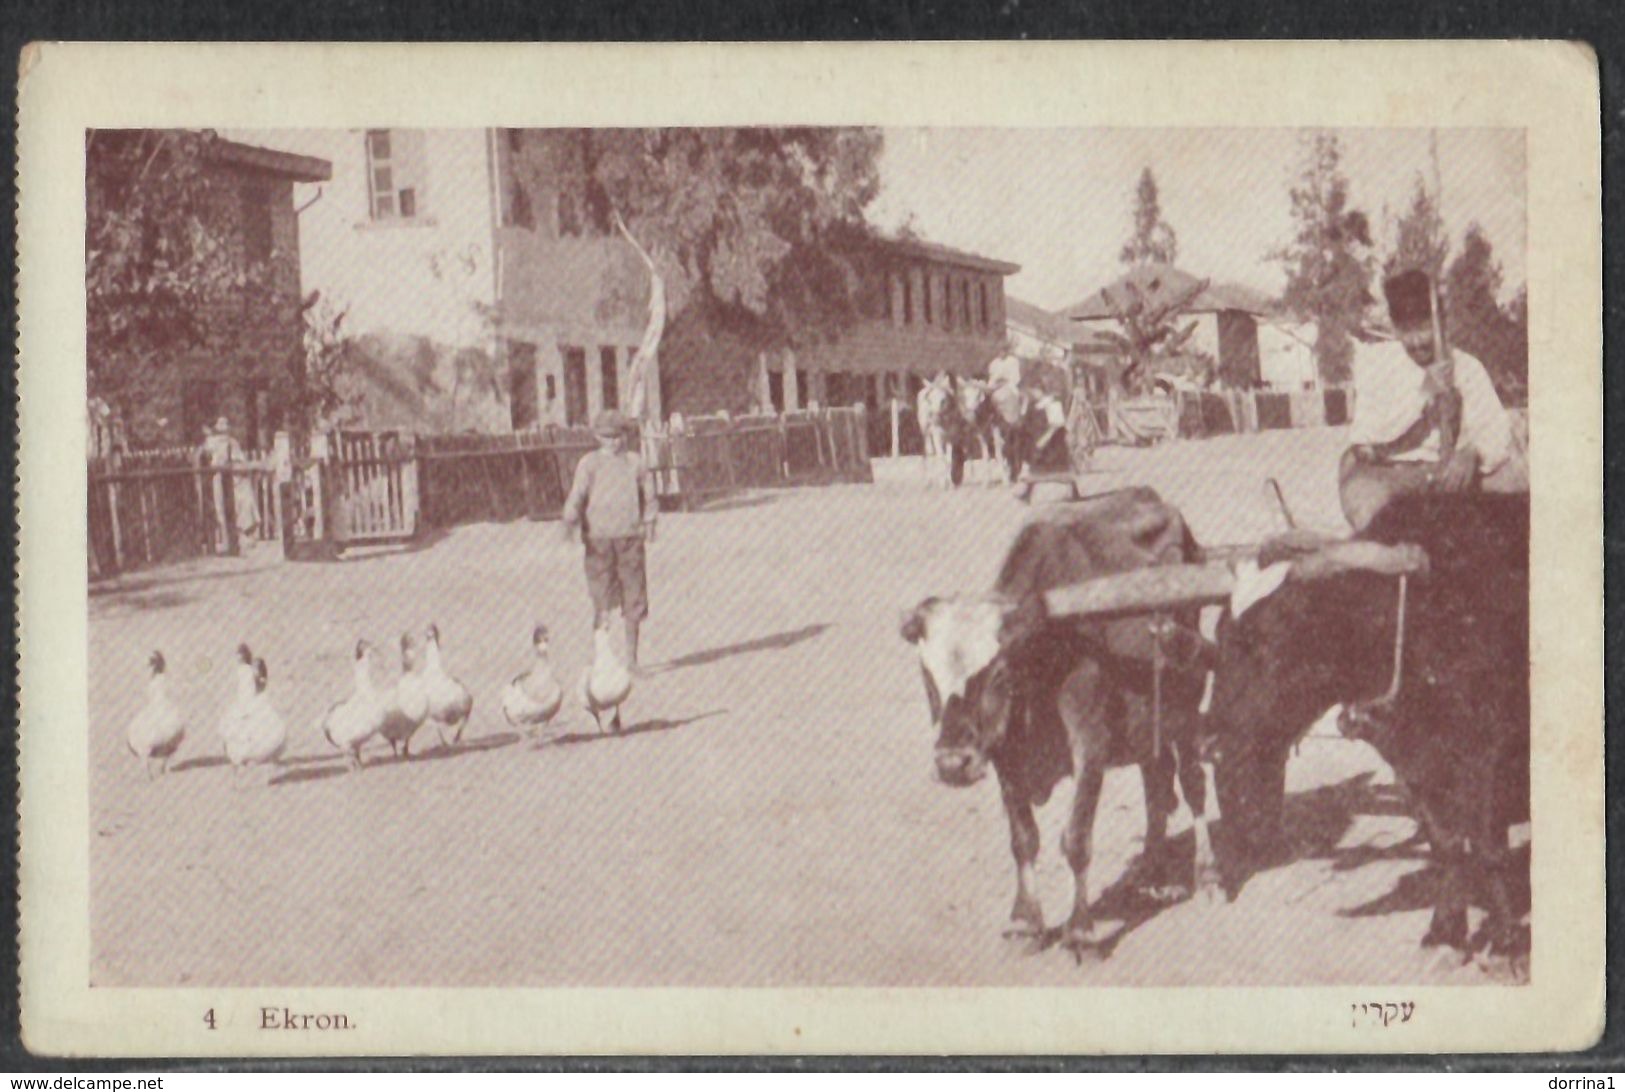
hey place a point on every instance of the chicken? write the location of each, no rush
(450, 703)
(534, 697)
(606, 683)
(407, 706)
(251, 730)
(155, 732)
(350, 723)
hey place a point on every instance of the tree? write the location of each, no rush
(1152, 239)
(1475, 320)
(158, 256)
(1327, 260)
(1420, 241)
(763, 223)
(1152, 339)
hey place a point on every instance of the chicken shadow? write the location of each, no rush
(322, 767)
(642, 727)
(743, 648)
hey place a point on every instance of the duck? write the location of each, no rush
(253, 731)
(450, 702)
(155, 732)
(407, 706)
(606, 682)
(534, 697)
(349, 723)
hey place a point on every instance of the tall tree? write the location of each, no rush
(1327, 260)
(763, 223)
(1419, 236)
(1476, 321)
(1152, 240)
(158, 256)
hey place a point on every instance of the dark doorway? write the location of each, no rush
(610, 377)
(775, 390)
(521, 385)
(575, 386)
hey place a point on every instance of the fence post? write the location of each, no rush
(896, 423)
(228, 509)
(118, 542)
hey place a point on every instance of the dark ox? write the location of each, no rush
(1038, 699)
(1457, 734)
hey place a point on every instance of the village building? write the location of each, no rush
(480, 300)
(252, 336)
(472, 303)
(928, 309)
(1227, 317)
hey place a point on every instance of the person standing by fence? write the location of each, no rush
(612, 500)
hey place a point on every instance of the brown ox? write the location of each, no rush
(1039, 698)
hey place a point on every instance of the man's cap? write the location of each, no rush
(222, 425)
(1410, 298)
(609, 423)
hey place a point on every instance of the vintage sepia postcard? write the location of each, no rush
(810, 548)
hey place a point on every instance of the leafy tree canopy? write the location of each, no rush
(1327, 260)
(763, 223)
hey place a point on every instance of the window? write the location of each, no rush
(609, 377)
(775, 390)
(908, 299)
(885, 297)
(981, 290)
(965, 319)
(256, 206)
(395, 173)
(925, 308)
(552, 388)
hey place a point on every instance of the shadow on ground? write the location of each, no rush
(642, 727)
(756, 644)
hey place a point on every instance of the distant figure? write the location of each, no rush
(220, 448)
(1048, 476)
(1422, 424)
(613, 503)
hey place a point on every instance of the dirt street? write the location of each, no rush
(767, 820)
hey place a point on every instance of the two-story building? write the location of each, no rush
(474, 303)
(928, 309)
(483, 299)
(252, 335)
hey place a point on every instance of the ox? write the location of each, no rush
(1452, 659)
(1039, 698)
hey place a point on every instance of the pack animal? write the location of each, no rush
(1039, 698)
(1443, 658)
(945, 432)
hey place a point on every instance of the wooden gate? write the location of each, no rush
(351, 489)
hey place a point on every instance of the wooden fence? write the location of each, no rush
(322, 494)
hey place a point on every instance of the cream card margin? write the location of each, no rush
(1550, 89)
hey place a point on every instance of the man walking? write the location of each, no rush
(612, 501)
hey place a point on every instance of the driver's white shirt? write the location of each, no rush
(1389, 398)
(1005, 371)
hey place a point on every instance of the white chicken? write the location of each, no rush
(252, 730)
(450, 703)
(350, 723)
(606, 682)
(534, 697)
(407, 706)
(155, 732)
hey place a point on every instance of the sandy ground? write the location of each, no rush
(769, 819)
